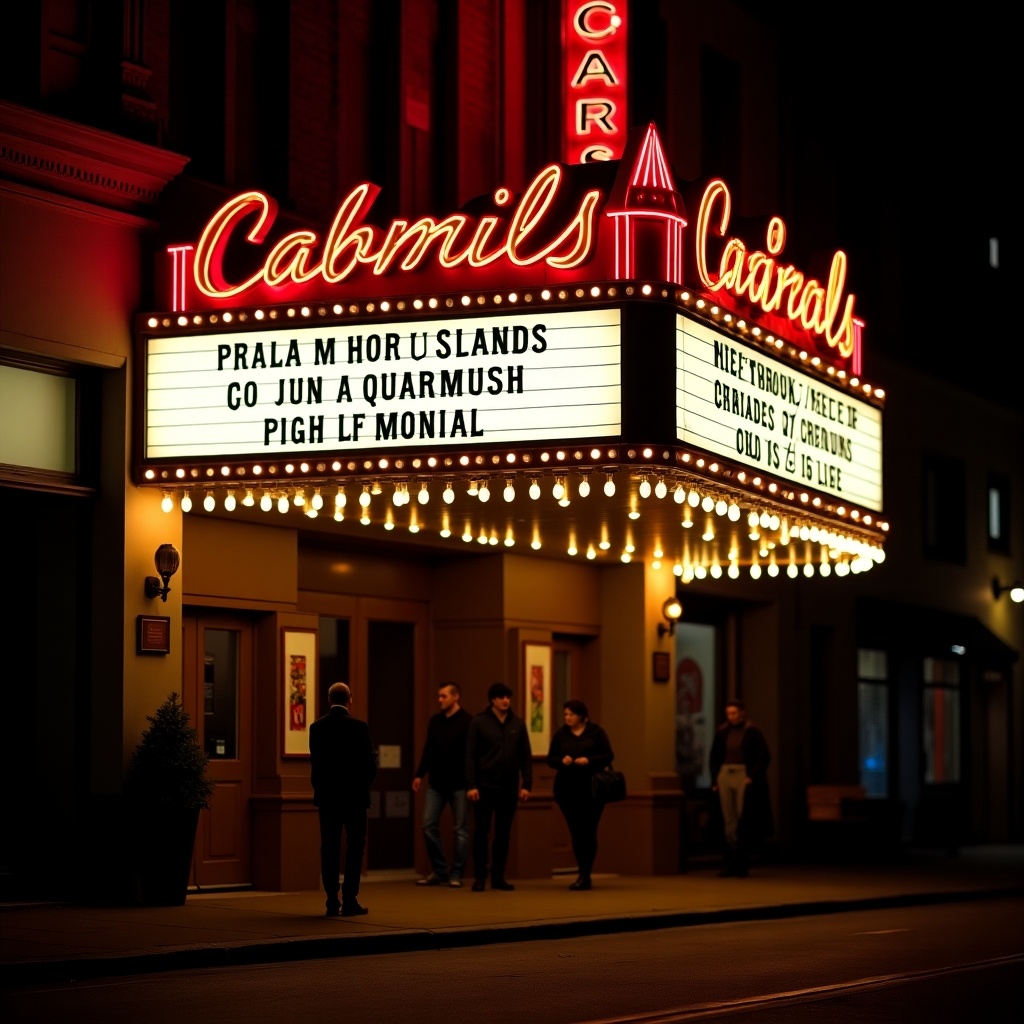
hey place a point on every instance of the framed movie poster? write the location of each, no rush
(537, 688)
(298, 689)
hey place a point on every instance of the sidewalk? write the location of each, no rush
(45, 943)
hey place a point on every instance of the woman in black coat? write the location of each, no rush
(577, 750)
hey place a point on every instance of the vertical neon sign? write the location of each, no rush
(594, 55)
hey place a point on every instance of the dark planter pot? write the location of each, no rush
(166, 840)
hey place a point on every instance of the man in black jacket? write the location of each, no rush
(498, 755)
(444, 763)
(343, 765)
(739, 774)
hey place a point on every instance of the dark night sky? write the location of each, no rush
(917, 119)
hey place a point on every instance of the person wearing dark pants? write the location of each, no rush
(343, 765)
(577, 750)
(444, 764)
(499, 773)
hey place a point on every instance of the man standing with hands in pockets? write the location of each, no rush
(444, 763)
(498, 755)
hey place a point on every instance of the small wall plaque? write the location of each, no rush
(153, 634)
(662, 667)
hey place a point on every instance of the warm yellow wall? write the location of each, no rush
(561, 596)
(239, 561)
(148, 678)
(332, 570)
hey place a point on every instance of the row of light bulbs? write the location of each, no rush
(848, 552)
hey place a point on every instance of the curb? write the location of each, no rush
(72, 969)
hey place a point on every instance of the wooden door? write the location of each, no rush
(218, 687)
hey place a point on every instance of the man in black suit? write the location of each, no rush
(343, 765)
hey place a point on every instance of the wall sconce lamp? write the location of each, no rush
(1016, 590)
(672, 609)
(167, 561)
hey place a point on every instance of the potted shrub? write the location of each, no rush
(166, 788)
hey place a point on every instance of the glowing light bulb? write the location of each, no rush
(755, 571)
(229, 501)
(791, 571)
(340, 501)
(645, 487)
(509, 494)
(609, 486)
(734, 571)
(248, 501)
(282, 503)
(208, 502)
(449, 494)
(721, 507)
(708, 503)
(584, 488)
(660, 489)
(317, 501)
(266, 502)
(558, 491)
(364, 497)
(424, 496)
(534, 490)
(473, 490)
(186, 502)
(484, 494)
(733, 512)
(693, 499)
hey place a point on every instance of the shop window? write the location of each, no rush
(873, 721)
(694, 675)
(945, 509)
(998, 517)
(941, 719)
(46, 427)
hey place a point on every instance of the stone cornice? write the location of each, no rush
(86, 163)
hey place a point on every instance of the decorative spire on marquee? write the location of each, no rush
(648, 212)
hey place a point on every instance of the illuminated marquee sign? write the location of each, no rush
(757, 411)
(594, 60)
(500, 379)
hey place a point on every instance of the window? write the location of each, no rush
(998, 518)
(941, 720)
(873, 721)
(945, 510)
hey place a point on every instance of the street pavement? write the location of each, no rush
(51, 942)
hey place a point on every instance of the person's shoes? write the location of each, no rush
(333, 909)
(581, 883)
(353, 909)
(455, 883)
(479, 885)
(432, 879)
(500, 883)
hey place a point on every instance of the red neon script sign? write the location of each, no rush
(594, 60)
(765, 282)
(522, 239)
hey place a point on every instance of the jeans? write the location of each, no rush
(432, 808)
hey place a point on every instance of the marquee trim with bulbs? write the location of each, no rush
(692, 426)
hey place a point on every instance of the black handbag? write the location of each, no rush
(608, 785)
